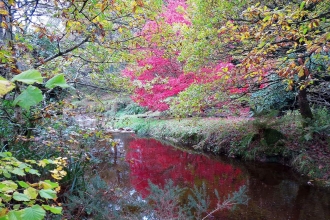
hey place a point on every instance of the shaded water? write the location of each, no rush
(275, 191)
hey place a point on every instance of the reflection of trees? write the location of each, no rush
(151, 160)
(274, 190)
(275, 193)
(118, 172)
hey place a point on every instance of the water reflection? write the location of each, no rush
(149, 159)
(275, 191)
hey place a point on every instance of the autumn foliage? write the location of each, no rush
(158, 75)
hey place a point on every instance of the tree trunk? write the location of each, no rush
(304, 107)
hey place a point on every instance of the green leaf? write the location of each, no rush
(20, 197)
(5, 197)
(8, 186)
(6, 154)
(302, 5)
(16, 207)
(18, 171)
(5, 86)
(47, 184)
(47, 194)
(23, 184)
(23, 165)
(6, 174)
(328, 36)
(55, 210)
(33, 213)
(267, 18)
(57, 80)
(29, 97)
(262, 43)
(308, 136)
(33, 171)
(159, 3)
(15, 215)
(29, 77)
(32, 193)
(305, 30)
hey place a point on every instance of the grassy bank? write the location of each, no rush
(271, 140)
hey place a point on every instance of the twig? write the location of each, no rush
(220, 207)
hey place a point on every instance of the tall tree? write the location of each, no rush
(289, 38)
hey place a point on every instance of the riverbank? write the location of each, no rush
(281, 140)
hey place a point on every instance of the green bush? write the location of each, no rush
(320, 124)
(89, 202)
(133, 109)
(23, 198)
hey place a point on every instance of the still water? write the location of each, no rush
(275, 191)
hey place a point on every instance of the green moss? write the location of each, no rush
(272, 136)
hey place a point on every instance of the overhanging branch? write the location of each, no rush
(61, 53)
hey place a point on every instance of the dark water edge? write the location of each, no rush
(275, 191)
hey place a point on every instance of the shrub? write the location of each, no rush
(20, 199)
(320, 124)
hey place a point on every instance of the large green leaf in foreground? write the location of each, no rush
(29, 77)
(29, 97)
(14, 215)
(47, 193)
(33, 213)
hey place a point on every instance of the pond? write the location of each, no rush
(274, 191)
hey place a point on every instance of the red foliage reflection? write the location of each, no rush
(151, 160)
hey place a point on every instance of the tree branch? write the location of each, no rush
(96, 87)
(60, 53)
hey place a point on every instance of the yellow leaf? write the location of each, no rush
(42, 163)
(3, 211)
(98, 5)
(301, 72)
(4, 12)
(44, 185)
(5, 86)
(4, 25)
(134, 4)
(295, 45)
(11, 2)
(120, 30)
